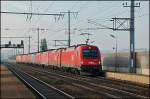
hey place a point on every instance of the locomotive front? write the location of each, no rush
(90, 59)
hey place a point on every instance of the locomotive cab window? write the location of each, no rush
(90, 53)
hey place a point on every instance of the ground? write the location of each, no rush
(12, 87)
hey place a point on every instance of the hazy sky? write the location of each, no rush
(99, 11)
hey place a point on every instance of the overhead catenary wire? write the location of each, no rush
(28, 13)
(80, 21)
(121, 12)
(81, 13)
(82, 6)
(49, 6)
(105, 12)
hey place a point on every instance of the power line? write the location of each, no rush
(30, 13)
(95, 23)
(14, 37)
(92, 15)
(69, 16)
(106, 10)
(45, 11)
(69, 13)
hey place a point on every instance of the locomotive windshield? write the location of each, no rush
(90, 53)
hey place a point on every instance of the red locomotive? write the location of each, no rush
(80, 58)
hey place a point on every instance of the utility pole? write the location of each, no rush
(132, 43)
(38, 36)
(69, 13)
(116, 47)
(29, 43)
(23, 51)
(68, 28)
(132, 30)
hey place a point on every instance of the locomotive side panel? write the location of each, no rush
(65, 58)
(32, 58)
(18, 58)
(29, 58)
(70, 58)
(52, 58)
(26, 58)
(38, 58)
(58, 58)
(49, 58)
(44, 58)
(23, 58)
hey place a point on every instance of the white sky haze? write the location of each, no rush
(99, 11)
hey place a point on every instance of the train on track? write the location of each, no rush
(79, 58)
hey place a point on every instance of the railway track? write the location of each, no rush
(112, 92)
(39, 87)
(84, 92)
(126, 87)
(109, 91)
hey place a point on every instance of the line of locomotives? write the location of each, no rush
(78, 59)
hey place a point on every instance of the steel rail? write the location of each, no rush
(100, 78)
(50, 86)
(28, 84)
(114, 82)
(81, 86)
(96, 85)
(92, 84)
(90, 89)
